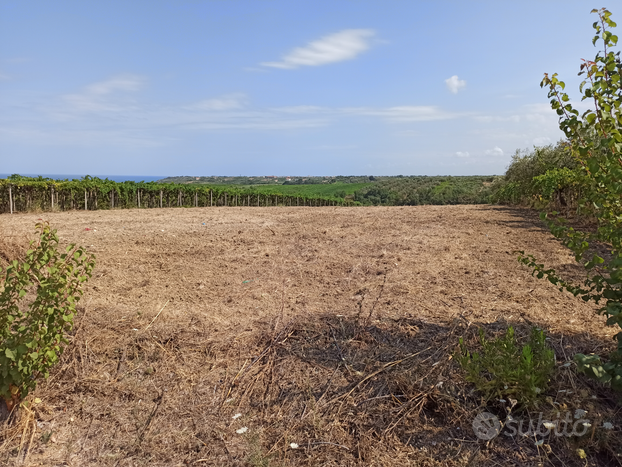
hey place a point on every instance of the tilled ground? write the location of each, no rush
(281, 315)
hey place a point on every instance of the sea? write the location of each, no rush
(115, 178)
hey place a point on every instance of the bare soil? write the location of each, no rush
(330, 328)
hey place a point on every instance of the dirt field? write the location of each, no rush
(295, 319)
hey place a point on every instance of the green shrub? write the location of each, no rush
(505, 369)
(32, 334)
(545, 176)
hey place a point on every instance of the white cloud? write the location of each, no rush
(454, 84)
(462, 154)
(4, 76)
(300, 109)
(337, 47)
(100, 96)
(118, 83)
(405, 113)
(499, 118)
(496, 151)
(541, 141)
(226, 102)
(110, 112)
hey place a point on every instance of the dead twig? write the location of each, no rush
(147, 426)
(384, 367)
(156, 316)
(373, 307)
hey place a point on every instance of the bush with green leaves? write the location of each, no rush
(504, 368)
(595, 138)
(38, 298)
(545, 176)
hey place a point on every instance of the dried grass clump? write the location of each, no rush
(12, 246)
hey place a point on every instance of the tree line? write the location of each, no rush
(420, 190)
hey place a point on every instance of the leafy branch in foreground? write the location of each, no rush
(595, 138)
(32, 335)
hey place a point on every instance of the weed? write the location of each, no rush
(505, 369)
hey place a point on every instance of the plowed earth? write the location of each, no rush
(294, 318)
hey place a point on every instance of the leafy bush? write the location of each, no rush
(505, 369)
(546, 176)
(596, 142)
(32, 335)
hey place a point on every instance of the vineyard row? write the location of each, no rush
(93, 194)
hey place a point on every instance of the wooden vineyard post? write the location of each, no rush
(112, 199)
(210, 198)
(196, 199)
(85, 202)
(52, 199)
(10, 200)
(225, 198)
(160, 198)
(138, 198)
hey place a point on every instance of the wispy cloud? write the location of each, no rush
(101, 96)
(462, 154)
(404, 113)
(118, 83)
(4, 76)
(301, 109)
(111, 112)
(541, 141)
(226, 102)
(333, 48)
(496, 151)
(454, 84)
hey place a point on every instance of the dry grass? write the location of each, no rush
(329, 328)
(12, 246)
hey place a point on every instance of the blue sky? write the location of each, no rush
(271, 87)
